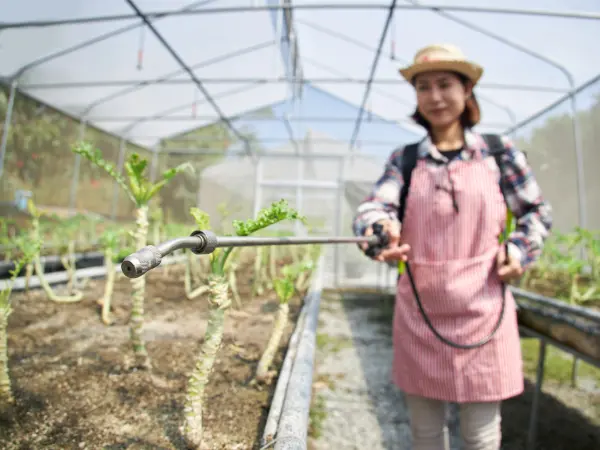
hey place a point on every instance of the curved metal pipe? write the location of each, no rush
(203, 242)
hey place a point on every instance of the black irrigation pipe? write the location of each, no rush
(52, 263)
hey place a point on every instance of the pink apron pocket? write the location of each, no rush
(456, 294)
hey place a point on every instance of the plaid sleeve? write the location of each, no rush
(532, 212)
(383, 201)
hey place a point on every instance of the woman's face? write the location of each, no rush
(441, 97)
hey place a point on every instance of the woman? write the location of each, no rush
(454, 214)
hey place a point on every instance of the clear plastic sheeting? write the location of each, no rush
(516, 83)
(549, 142)
(121, 67)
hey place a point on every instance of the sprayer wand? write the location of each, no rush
(203, 242)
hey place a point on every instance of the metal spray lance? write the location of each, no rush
(203, 242)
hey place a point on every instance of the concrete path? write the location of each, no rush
(355, 404)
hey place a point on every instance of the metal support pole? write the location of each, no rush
(278, 37)
(532, 432)
(343, 79)
(361, 111)
(581, 194)
(339, 211)
(578, 158)
(193, 77)
(581, 15)
(76, 169)
(7, 122)
(299, 191)
(116, 187)
(308, 184)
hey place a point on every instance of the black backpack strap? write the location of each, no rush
(497, 149)
(409, 161)
(495, 146)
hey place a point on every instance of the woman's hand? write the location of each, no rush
(508, 270)
(393, 252)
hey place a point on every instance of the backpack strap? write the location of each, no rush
(497, 149)
(409, 161)
(495, 146)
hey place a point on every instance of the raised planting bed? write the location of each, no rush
(573, 326)
(74, 390)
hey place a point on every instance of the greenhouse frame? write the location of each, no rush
(294, 99)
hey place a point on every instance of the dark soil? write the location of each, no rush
(73, 389)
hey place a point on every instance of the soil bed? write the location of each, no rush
(73, 390)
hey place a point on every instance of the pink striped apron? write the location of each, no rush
(453, 261)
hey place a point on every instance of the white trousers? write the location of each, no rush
(479, 424)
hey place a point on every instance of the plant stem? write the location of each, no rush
(257, 288)
(273, 261)
(281, 319)
(6, 396)
(39, 270)
(191, 293)
(219, 303)
(108, 286)
(28, 274)
(156, 232)
(68, 262)
(136, 321)
(233, 285)
(198, 268)
(72, 266)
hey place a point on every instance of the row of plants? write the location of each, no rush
(211, 277)
(568, 268)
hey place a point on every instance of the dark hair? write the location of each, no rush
(470, 116)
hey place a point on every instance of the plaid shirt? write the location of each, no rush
(523, 196)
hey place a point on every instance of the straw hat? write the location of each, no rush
(444, 57)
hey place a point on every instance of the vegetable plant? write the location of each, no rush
(6, 237)
(219, 303)
(67, 232)
(284, 286)
(563, 272)
(190, 269)
(28, 249)
(111, 244)
(36, 236)
(140, 191)
(156, 221)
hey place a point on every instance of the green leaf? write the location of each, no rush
(28, 249)
(94, 155)
(110, 238)
(202, 218)
(168, 175)
(135, 167)
(277, 212)
(284, 288)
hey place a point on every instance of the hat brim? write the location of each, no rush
(471, 70)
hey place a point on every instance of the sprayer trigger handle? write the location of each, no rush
(375, 249)
(381, 234)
